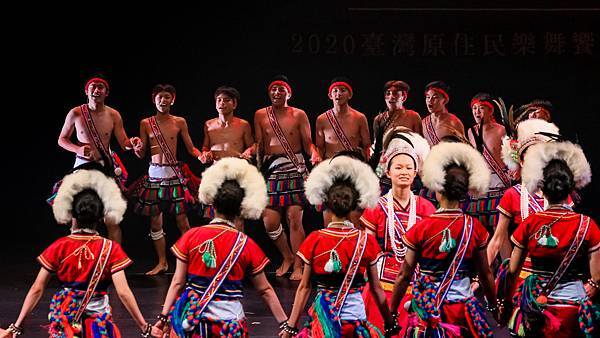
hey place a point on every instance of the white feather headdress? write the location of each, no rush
(323, 176)
(446, 153)
(539, 155)
(527, 135)
(106, 188)
(231, 168)
(401, 140)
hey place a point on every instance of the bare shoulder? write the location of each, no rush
(112, 111)
(260, 113)
(241, 122)
(456, 121)
(412, 114)
(74, 112)
(298, 113)
(145, 121)
(358, 114)
(179, 120)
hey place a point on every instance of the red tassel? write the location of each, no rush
(553, 323)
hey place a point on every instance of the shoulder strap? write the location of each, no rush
(498, 168)
(359, 250)
(430, 133)
(164, 147)
(584, 224)
(461, 250)
(284, 142)
(337, 128)
(228, 263)
(96, 275)
(93, 132)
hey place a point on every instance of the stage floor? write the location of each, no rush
(149, 292)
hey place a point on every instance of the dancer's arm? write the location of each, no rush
(403, 279)
(177, 285)
(594, 258)
(33, 296)
(128, 299)
(266, 292)
(302, 294)
(485, 278)
(379, 294)
(499, 242)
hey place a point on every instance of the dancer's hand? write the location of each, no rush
(85, 151)
(284, 334)
(136, 143)
(315, 158)
(6, 334)
(246, 154)
(158, 330)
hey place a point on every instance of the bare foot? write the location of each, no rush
(159, 268)
(296, 274)
(285, 267)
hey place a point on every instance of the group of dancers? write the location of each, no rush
(414, 223)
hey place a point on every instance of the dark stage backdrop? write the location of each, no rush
(519, 54)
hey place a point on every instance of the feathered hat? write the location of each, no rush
(106, 188)
(401, 140)
(446, 153)
(247, 176)
(529, 132)
(539, 155)
(323, 176)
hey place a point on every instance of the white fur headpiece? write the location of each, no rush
(446, 153)
(539, 155)
(512, 150)
(231, 168)
(106, 188)
(409, 143)
(323, 176)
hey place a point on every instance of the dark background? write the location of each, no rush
(52, 52)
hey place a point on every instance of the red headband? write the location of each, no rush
(441, 91)
(485, 103)
(281, 83)
(95, 79)
(340, 83)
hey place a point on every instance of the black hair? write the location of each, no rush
(456, 184)
(342, 197)
(228, 200)
(353, 153)
(163, 88)
(401, 85)
(281, 77)
(229, 91)
(438, 84)
(341, 79)
(558, 181)
(88, 209)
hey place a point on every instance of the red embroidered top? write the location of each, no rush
(74, 259)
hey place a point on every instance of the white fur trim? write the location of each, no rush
(323, 176)
(508, 153)
(231, 168)
(539, 155)
(110, 194)
(446, 153)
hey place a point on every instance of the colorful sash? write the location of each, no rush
(461, 250)
(359, 250)
(172, 161)
(284, 142)
(430, 133)
(95, 278)
(226, 266)
(584, 224)
(491, 161)
(115, 162)
(337, 128)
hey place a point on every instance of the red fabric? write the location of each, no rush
(316, 247)
(63, 258)
(251, 261)
(426, 236)
(485, 103)
(510, 204)
(545, 258)
(281, 83)
(441, 91)
(569, 322)
(375, 219)
(374, 316)
(340, 83)
(95, 79)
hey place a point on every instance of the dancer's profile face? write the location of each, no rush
(481, 112)
(435, 101)
(225, 104)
